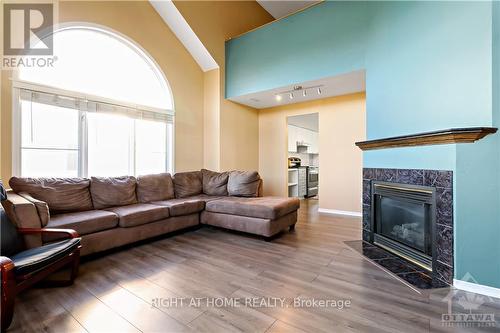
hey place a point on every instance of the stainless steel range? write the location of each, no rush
(312, 181)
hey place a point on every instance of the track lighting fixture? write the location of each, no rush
(298, 90)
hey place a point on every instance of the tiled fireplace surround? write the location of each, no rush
(442, 181)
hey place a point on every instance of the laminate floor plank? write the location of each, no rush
(37, 310)
(137, 288)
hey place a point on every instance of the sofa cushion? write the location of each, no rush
(112, 191)
(41, 207)
(243, 183)
(85, 222)
(138, 214)
(264, 207)
(182, 206)
(214, 183)
(206, 198)
(62, 195)
(155, 187)
(187, 184)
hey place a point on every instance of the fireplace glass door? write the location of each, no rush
(403, 221)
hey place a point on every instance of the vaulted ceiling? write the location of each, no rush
(282, 8)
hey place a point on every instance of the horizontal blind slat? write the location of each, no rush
(50, 99)
(93, 106)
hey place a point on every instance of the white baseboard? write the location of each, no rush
(339, 212)
(476, 288)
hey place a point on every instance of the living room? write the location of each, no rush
(144, 157)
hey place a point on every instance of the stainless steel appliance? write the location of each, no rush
(312, 181)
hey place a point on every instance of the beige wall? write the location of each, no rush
(341, 123)
(211, 122)
(238, 133)
(6, 131)
(239, 137)
(140, 22)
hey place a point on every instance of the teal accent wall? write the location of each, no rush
(425, 66)
(442, 157)
(326, 40)
(429, 66)
(477, 212)
(477, 193)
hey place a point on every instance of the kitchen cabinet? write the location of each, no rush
(314, 148)
(303, 135)
(297, 182)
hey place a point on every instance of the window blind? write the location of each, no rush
(94, 106)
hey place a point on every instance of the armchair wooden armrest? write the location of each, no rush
(70, 233)
(6, 265)
(7, 291)
(6, 271)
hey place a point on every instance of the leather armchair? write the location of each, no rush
(21, 268)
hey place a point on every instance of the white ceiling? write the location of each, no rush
(344, 84)
(281, 8)
(309, 121)
(179, 26)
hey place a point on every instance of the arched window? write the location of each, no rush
(103, 109)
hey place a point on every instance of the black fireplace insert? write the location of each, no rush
(403, 221)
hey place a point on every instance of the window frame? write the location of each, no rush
(18, 85)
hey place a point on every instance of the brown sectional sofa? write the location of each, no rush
(110, 212)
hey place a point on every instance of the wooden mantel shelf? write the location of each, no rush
(454, 135)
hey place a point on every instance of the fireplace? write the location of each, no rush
(424, 199)
(403, 221)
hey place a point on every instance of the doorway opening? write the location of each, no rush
(303, 156)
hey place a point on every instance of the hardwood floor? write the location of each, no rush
(116, 292)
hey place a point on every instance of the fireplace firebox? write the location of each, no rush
(403, 221)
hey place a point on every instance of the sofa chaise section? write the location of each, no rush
(265, 216)
(252, 225)
(270, 208)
